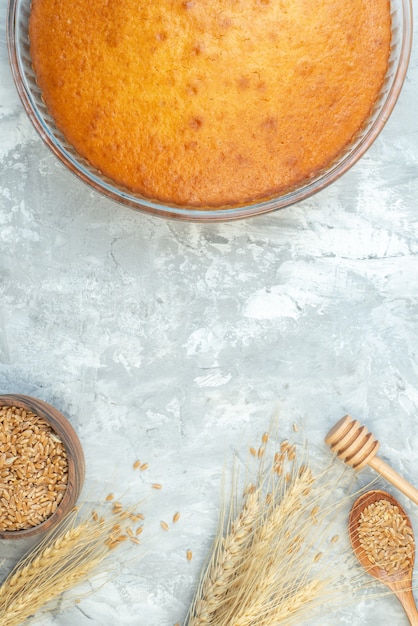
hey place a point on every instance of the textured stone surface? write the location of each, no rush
(175, 343)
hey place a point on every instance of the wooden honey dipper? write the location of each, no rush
(357, 447)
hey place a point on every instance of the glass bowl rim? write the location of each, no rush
(109, 189)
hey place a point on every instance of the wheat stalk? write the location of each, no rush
(71, 553)
(265, 566)
(227, 556)
(35, 597)
(255, 589)
(39, 562)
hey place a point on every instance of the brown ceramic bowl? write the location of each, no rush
(75, 459)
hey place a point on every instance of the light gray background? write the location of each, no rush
(175, 342)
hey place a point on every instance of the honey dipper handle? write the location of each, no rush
(394, 478)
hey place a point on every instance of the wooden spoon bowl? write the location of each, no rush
(399, 581)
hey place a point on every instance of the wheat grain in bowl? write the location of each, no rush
(33, 469)
(41, 466)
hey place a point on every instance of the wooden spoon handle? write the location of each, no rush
(406, 598)
(394, 478)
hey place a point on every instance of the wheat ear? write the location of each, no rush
(227, 555)
(281, 573)
(68, 555)
(256, 589)
(34, 598)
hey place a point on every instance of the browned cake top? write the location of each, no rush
(210, 102)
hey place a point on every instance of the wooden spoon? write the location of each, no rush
(400, 581)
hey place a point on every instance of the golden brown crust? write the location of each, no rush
(210, 102)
